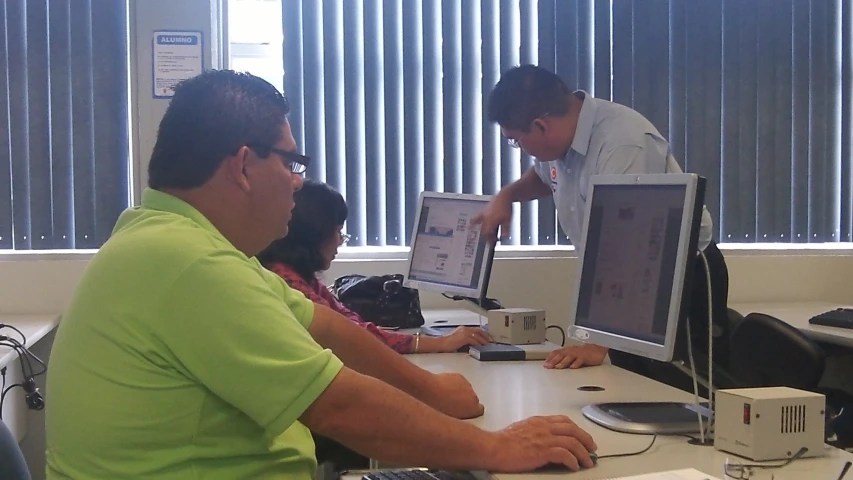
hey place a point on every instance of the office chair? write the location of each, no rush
(12, 463)
(735, 318)
(765, 351)
(768, 353)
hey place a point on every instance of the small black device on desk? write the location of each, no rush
(840, 318)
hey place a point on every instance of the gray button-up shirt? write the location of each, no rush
(609, 139)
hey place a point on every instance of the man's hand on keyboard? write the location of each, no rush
(450, 393)
(529, 444)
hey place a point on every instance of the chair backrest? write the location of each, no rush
(734, 318)
(12, 463)
(767, 352)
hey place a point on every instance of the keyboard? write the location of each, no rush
(417, 474)
(840, 318)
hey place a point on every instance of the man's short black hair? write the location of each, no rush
(210, 117)
(526, 93)
(319, 212)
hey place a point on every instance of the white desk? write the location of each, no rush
(798, 315)
(34, 328)
(512, 391)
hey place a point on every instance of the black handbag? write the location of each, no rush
(380, 299)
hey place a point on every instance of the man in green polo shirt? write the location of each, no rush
(181, 358)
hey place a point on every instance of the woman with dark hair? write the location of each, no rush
(310, 246)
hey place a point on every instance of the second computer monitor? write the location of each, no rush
(640, 235)
(448, 255)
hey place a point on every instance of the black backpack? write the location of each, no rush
(382, 300)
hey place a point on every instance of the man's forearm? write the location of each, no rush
(385, 424)
(528, 187)
(364, 353)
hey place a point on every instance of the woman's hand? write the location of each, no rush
(462, 337)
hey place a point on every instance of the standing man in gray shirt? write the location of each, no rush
(572, 137)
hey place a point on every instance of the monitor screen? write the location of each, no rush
(448, 253)
(630, 288)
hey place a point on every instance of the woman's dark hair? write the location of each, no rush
(319, 212)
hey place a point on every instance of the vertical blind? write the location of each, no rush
(64, 122)
(389, 98)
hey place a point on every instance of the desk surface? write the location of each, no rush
(34, 327)
(798, 315)
(512, 391)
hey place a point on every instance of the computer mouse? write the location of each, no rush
(559, 467)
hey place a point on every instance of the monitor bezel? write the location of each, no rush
(688, 237)
(488, 253)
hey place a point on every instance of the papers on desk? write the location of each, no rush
(688, 474)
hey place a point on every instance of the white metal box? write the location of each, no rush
(517, 326)
(771, 423)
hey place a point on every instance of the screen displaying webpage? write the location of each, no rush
(447, 248)
(629, 261)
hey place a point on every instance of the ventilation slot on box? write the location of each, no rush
(530, 322)
(793, 419)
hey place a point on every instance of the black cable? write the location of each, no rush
(25, 375)
(784, 463)
(25, 355)
(23, 337)
(685, 435)
(28, 373)
(26, 365)
(2, 387)
(6, 391)
(615, 455)
(14, 345)
(457, 298)
(562, 332)
(31, 355)
(23, 352)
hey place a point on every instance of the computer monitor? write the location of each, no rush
(640, 239)
(640, 242)
(448, 255)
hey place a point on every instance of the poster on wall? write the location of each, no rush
(178, 55)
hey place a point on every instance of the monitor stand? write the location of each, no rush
(483, 304)
(662, 418)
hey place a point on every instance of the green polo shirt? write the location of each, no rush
(181, 358)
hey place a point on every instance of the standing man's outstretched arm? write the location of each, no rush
(499, 212)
